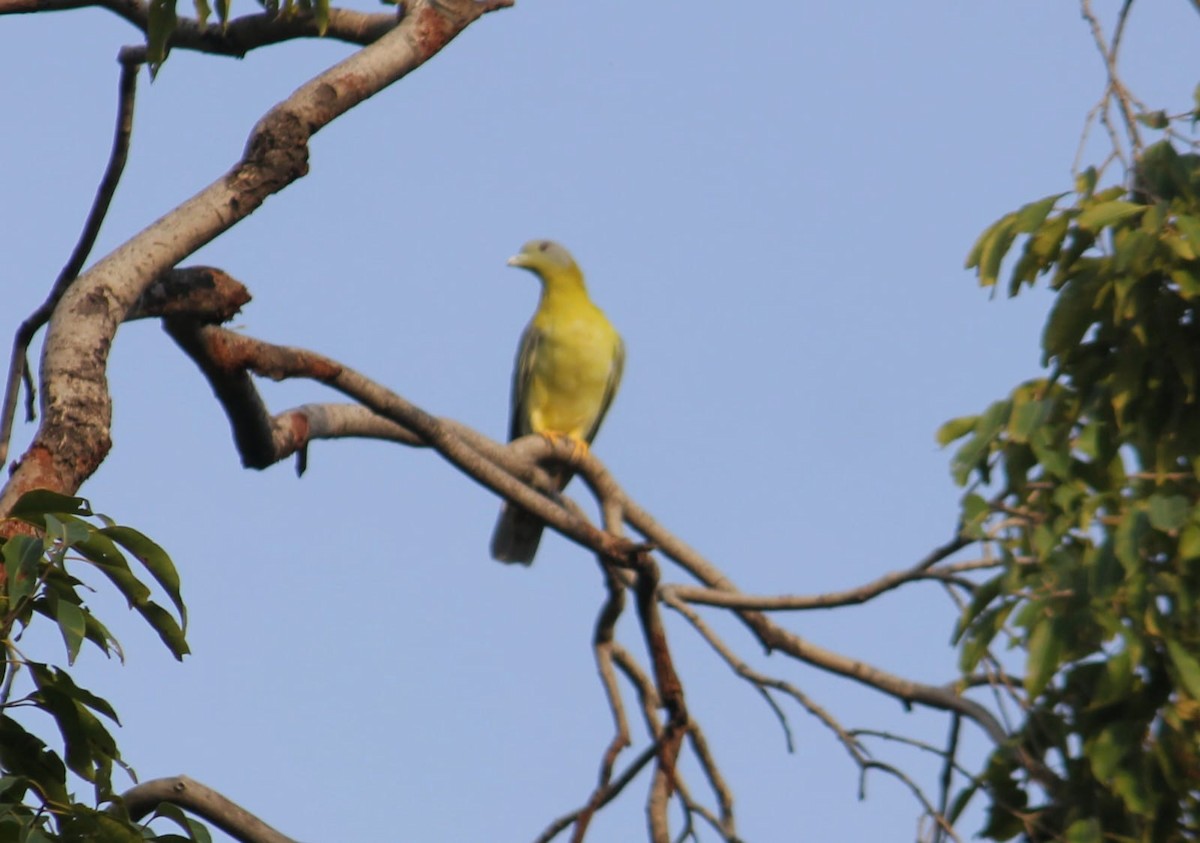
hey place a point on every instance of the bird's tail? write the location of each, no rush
(516, 536)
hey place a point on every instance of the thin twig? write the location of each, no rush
(716, 781)
(763, 681)
(602, 644)
(947, 779)
(606, 793)
(18, 364)
(922, 570)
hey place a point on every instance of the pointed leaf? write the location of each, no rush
(955, 429)
(166, 627)
(22, 557)
(1187, 666)
(1031, 216)
(100, 550)
(1044, 652)
(40, 501)
(1168, 512)
(72, 625)
(1106, 213)
(1084, 831)
(155, 560)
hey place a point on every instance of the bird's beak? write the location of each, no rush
(517, 260)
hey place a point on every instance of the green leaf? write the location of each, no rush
(203, 10)
(1070, 317)
(1044, 656)
(984, 594)
(975, 511)
(166, 627)
(1051, 451)
(1027, 416)
(1168, 512)
(1031, 216)
(89, 749)
(195, 831)
(1154, 119)
(22, 558)
(36, 503)
(955, 429)
(1107, 213)
(1109, 748)
(1084, 831)
(994, 250)
(1189, 542)
(100, 550)
(1085, 182)
(1134, 791)
(24, 754)
(1115, 683)
(68, 529)
(155, 560)
(321, 14)
(51, 678)
(1187, 666)
(1128, 540)
(1186, 281)
(72, 624)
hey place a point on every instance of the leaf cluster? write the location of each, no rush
(1092, 476)
(36, 803)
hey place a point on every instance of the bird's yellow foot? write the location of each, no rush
(579, 447)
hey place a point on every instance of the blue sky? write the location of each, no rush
(772, 203)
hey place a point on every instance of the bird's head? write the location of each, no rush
(545, 258)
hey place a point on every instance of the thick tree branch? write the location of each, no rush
(205, 803)
(74, 437)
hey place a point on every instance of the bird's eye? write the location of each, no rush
(543, 246)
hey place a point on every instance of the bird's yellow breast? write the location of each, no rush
(571, 372)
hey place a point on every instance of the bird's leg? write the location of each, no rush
(579, 447)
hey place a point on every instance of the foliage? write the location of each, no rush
(1096, 514)
(35, 801)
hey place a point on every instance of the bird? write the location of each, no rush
(568, 367)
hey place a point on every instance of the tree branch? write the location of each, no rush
(74, 437)
(205, 803)
(236, 37)
(18, 364)
(852, 596)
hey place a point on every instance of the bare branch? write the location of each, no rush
(602, 644)
(853, 596)
(205, 803)
(236, 37)
(606, 794)
(74, 438)
(774, 637)
(708, 763)
(762, 682)
(1127, 104)
(947, 779)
